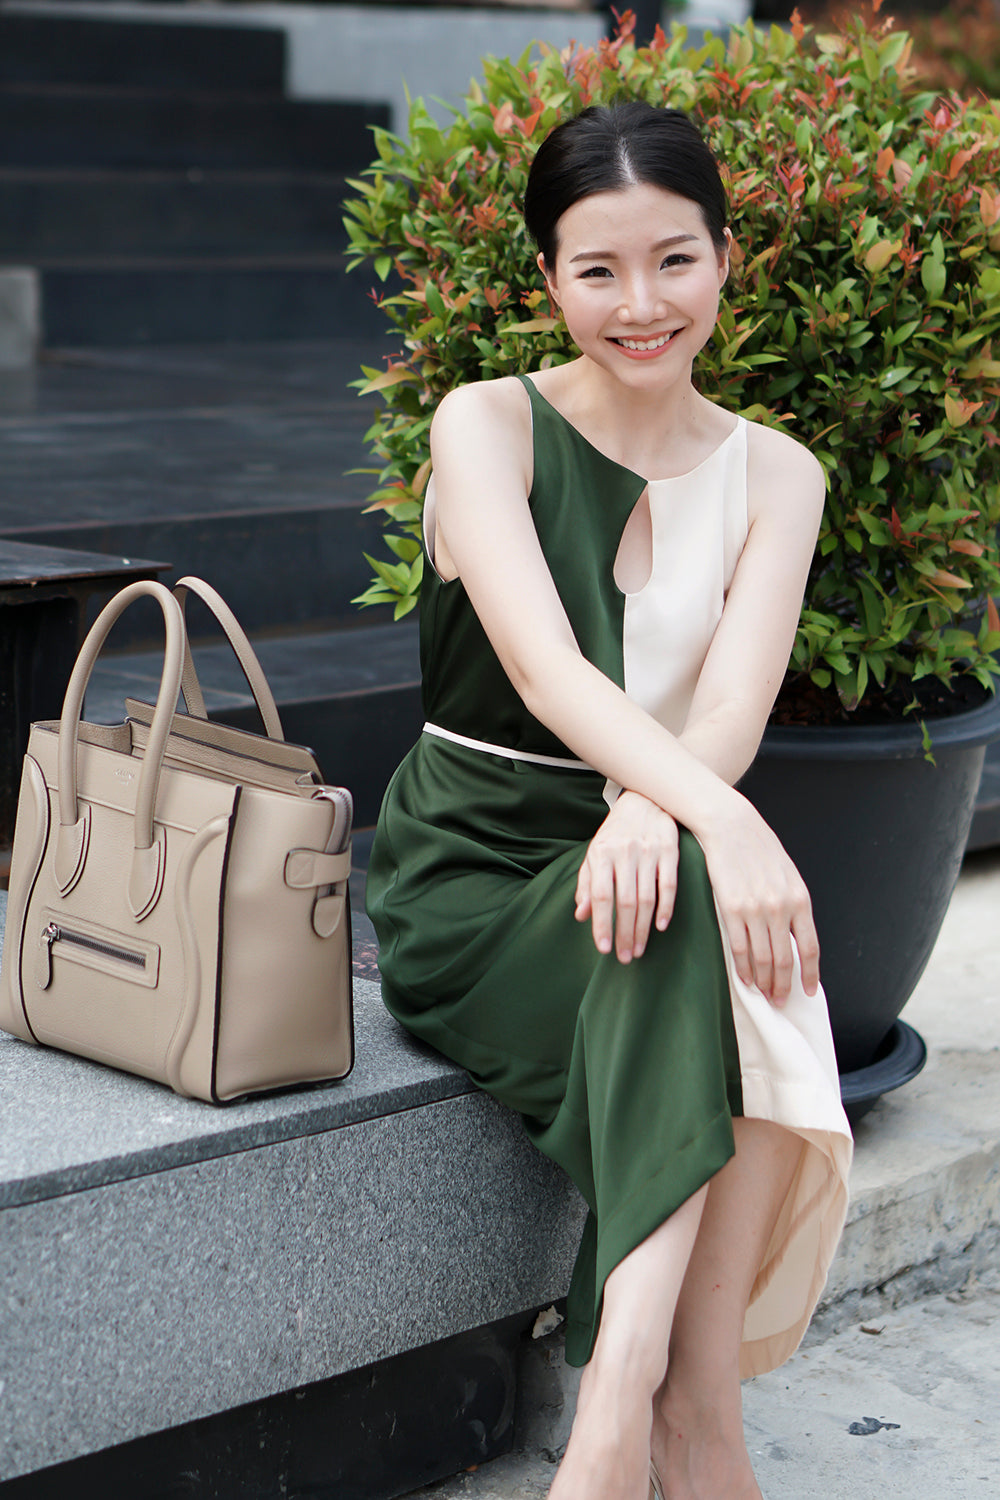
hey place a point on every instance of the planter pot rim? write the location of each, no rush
(902, 1059)
(900, 741)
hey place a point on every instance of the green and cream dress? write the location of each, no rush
(627, 1075)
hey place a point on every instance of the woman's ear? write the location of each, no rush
(723, 258)
(549, 282)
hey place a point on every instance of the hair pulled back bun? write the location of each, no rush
(609, 147)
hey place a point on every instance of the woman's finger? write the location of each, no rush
(739, 943)
(602, 904)
(783, 964)
(807, 942)
(761, 957)
(626, 905)
(581, 898)
(666, 889)
(646, 901)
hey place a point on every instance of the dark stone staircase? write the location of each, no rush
(227, 462)
(192, 404)
(167, 190)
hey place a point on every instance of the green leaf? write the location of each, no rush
(404, 547)
(932, 271)
(925, 740)
(989, 282)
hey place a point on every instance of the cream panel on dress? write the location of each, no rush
(699, 529)
(787, 1063)
(699, 524)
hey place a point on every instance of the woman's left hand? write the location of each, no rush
(628, 878)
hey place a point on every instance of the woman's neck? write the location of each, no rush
(652, 430)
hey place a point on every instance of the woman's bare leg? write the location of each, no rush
(607, 1457)
(698, 1442)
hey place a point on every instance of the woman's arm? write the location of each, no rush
(481, 447)
(749, 653)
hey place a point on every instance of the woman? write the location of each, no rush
(616, 568)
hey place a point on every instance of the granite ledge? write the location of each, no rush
(72, 1125)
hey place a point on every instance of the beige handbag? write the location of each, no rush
(178, 899)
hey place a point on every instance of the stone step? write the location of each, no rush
(352, 696)
(225, 300)
(278, 570)
(335, 1270)
(122, 127)
(58, 215)
(46, 49)
(229, 464)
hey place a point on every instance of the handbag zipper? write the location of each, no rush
(108, 950)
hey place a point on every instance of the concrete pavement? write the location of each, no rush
(896, 1389)
(928, 1373)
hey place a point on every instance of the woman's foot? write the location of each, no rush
(700, 1452)
(607, 1456)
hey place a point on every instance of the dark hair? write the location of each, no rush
(608, 147)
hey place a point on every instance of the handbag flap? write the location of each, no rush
(234, 754)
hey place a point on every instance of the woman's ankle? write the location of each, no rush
(713, 1410)
(629, 1363)
(698, 1442)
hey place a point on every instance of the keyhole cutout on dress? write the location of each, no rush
(634, 558)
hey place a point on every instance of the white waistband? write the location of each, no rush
(560, 762)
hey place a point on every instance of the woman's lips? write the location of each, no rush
(644, 348)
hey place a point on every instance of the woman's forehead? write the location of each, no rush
(636, 213)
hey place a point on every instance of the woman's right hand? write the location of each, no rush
(763, 901)
(628, 879)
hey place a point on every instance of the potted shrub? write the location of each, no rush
(864, 314)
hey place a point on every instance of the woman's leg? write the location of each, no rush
(607, 1457)
(698, 1442)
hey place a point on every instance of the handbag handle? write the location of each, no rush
(146, 873)
(194, 700)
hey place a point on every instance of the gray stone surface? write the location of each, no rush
(29, 564)
(160, 1299)
(80, 1125)
(20, 316)
(255, 1247)
(925, 1186)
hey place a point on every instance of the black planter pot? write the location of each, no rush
(878, 834)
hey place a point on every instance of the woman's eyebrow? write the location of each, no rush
(674, 239)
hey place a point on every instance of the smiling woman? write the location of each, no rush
(571, 899)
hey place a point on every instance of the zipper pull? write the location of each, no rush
(43, 961)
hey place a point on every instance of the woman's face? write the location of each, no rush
(637, 277)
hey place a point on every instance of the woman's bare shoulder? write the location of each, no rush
(779, 467)
(499, 404)
(484, 429)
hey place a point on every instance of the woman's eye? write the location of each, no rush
(677, 260)
(595, 271)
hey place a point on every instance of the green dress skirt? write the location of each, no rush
(628, 1076)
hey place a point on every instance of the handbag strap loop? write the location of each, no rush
(170, 682)
(246, 656)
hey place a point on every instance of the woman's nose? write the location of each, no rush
(643, 302)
